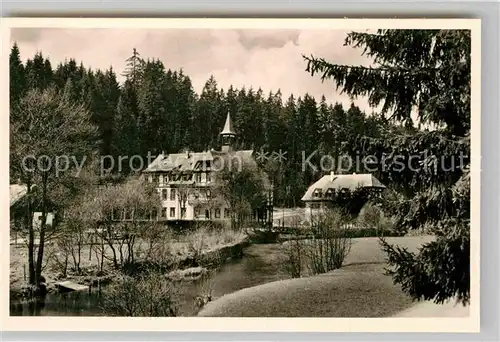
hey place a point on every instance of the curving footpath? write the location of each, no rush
(358, 289)
(353, 291)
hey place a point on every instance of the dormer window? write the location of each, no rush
(318, 193)
(330, 192)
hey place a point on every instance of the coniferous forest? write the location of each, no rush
(422, 72)
(157, 110)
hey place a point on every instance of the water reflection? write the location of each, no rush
(63, 304)
(259, 265)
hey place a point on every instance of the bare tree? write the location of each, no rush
(119, 234)
(46, 130)
(331, 242)
(321, 248)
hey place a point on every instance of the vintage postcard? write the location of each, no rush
(241, 174)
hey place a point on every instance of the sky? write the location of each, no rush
(270, 59)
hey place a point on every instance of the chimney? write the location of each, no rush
(332, 176)
(163, 154)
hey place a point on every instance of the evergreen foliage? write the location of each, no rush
(423, 74)
(426, 72)
(157, 110)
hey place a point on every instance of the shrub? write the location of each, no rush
(327, 244)
(372, 216)
(205, 291)
(331, 242)
(293, 255)
(149, 295)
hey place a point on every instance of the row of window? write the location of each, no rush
(171, 212)
(328, 193)
(182, 177)
(217, 213)
(319, 192)
(173, 194)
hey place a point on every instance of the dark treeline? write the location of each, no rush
(156, 109)
(422, 72)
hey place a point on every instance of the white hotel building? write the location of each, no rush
(185, 180)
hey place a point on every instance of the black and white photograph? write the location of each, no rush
(261, 170)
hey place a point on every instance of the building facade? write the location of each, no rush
(18, 211)
(185, 181)
(319, 195)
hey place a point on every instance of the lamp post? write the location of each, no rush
(287, 193)
(270, 200)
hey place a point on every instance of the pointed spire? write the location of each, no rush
(228, 127)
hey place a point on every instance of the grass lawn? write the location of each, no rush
(359, 289)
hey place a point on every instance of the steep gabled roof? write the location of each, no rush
(338, 182)
(17, 191)
(178, 161)
(189, 161)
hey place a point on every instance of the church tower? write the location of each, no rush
(228, 135)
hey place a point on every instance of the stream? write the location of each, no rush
(260, 264)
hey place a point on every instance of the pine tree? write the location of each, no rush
(111, 94)
(185, 110)
(39, 73)
(152, 107)
(247, 118)
(125, 140)
(273, 125)
(231, 104)
(205, 128)
(426, 70)
(17, 76)
(134, 67)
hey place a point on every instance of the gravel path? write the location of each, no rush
(359, 289)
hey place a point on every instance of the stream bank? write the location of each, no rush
(92, 278)
(259, 263)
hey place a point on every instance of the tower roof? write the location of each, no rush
(228, 126)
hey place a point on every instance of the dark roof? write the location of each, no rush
(191, 161)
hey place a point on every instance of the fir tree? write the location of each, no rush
(134, 67)
(426, 70)
(17, 75)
